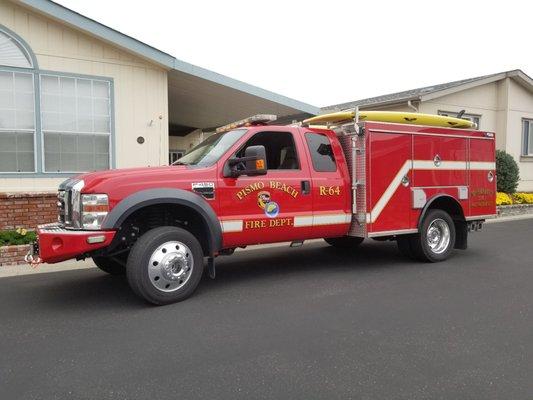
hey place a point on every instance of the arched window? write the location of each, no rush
(12, 53)
(17, 105)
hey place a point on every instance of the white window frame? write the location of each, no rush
(527, 137)
(43, 131)
(172, 152)
(17, 70)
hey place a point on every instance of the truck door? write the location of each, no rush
(330, 185)
(264, 209)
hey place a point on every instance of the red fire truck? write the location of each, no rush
(253, 182)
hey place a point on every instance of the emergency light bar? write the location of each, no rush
(259, 119)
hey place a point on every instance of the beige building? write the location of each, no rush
(77, 96)
(501, 103)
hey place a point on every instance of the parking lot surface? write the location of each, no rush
(284, 323)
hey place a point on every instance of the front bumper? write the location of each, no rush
(59, 244)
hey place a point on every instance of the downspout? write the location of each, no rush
(412, 106)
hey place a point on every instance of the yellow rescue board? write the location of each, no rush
(391, 116)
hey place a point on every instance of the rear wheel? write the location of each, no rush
(110, 265)
(344, 242)
(436, 239)
(165, 265)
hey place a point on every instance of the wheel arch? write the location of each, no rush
(450, 205)
(176, 197)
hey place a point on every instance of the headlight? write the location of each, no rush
(94, 209)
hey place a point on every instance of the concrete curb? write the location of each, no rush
(18, 270)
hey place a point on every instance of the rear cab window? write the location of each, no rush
(322, 156)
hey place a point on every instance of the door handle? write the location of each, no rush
(306, 187)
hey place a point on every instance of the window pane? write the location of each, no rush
(85, 106)
(75, 107)
(16, 101)
(68, 152)
(101, 124)
(51, 102)
(51, 121)
(101, 89)
(25, 120)
(16, 152)
(101, 107)
(24, 101)
(68, 86)
(51, 162)
(84, 87)
(6, 80)
(23, 83)
(530, 138)
(12, 53)
(7, 98)
(321, 152)
(50, 84)
(8, 162)
(7, 119)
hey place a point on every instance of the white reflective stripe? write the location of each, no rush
(322, 219)
(481, 165)
(331, 219)
(231, 226)
(430, 164)
(305, 220)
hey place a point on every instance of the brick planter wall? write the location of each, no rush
(27, 210)
(13, 255)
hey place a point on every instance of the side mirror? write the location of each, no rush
(253, 163)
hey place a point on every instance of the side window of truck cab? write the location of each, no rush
(321, 152)
(280, 149)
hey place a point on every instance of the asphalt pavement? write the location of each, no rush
(284, 323)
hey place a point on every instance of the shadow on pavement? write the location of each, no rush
(93, 289)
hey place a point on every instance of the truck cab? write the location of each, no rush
(254, 183)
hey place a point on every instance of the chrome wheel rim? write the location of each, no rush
(170, 266)
(438, 236)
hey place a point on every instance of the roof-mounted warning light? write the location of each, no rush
(259, 119)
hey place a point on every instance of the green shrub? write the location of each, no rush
(506, 172)
(20, 236)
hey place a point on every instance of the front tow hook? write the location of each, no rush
(32, 257)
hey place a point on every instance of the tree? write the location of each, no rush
(507, 172)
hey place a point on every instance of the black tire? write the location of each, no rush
(419, 242)
(147, 247)
(107, 264)
(345, 242)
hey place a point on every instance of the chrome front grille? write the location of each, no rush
(61, 207)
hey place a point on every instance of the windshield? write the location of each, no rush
(210, 150)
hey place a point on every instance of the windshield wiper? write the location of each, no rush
(178, 162)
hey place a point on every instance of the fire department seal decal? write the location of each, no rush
(265, 202)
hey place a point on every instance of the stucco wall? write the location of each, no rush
(140, 88)
(481, 100)
(520, 106)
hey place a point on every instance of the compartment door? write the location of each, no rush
(389, 175)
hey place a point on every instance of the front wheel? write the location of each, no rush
(165, 265)
(436, 239)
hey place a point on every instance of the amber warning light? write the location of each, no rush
(259, 119)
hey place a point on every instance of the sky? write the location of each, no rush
(330, 52)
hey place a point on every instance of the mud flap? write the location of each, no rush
(211, 271)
